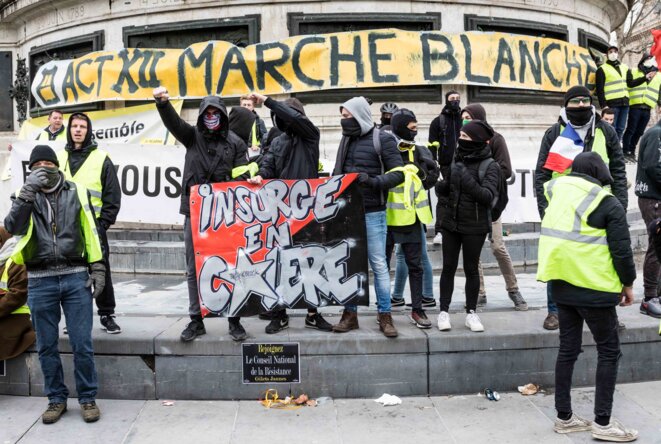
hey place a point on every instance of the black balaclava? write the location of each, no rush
(591, 164)
(452, 105)
(399, 121)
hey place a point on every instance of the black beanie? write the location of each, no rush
(577, 91)
(43, 152)
(478, 131)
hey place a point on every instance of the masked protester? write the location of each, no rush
(467, 220)
(242, 123)
(62, 254)
(212, 153)
(387, 110)
(586, 132)
(443, 136)
(357, 154)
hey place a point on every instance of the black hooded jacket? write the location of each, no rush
(241, 123)
(210, 156)
(294, 154)
(111, 193)
(445, 130)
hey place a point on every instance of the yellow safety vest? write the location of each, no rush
(646, 93)
(615, 84)
(87, 222)
(598, 146)
(408, 200)
(88, 175)
(4, 285)
(44, 135)
(253, 134)
(251, 168)
(569, 248)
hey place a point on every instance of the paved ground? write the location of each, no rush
(459, 419)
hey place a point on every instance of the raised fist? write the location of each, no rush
(161, 94)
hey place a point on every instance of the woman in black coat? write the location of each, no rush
(466, 221)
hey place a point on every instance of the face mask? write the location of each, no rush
(454, 105)
(470, 146)
(579, 116)
(53, 176)
(279, 123)
(612, 56)
(212, 121)
(350, 127)
(465, 121)
(385, 121)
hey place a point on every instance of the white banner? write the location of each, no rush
(150, 177)
(522, 206)
(133, 124)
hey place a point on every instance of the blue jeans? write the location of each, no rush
(402, 272)
(638, 120)
(377, 230)
(621, 113)
(45, 295)
(552, 308)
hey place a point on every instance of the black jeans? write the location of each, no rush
(636, 124)
(105, 302)
(650, 209)
(413, 257)
(453, 243)
(602, 322)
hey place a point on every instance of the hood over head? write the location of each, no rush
(399, 123)
(476, 111)
(216, 102)
(241, 121)
(359, 108)
(591, 164)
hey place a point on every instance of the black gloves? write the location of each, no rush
(34, 182)
(371, 182)
(97, 278)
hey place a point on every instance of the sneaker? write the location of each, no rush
(573, 424)
(420, 320)
(473, 322)
(397, 303)
(481, 300)
(426, 303)
(109, 325)
(519, 303)
(551, 322)
(237, 332)
(277, 325)
(651, 307)
(318, 322)
(614, 432)
(438, 239)
(91, 412)
(53, 413)
(444, 321)
(192, 331)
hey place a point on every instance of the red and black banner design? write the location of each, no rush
(282, 244)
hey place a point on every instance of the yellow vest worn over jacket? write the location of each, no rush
(569, 249)
(408, 200)
(645, 93)
(615, 83)
(88, 175)
(45, 135)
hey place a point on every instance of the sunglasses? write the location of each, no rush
(580, 100)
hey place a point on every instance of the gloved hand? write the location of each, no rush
(371, 182)
(97, 278)
(34, 182)
(363, 178)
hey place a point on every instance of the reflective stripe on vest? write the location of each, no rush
(569, 248)
(251, 168)
(615, 86)
(4, 285)
(598, 146)
(408, 200)
(88, 175)
(645, 93)
(87, 223)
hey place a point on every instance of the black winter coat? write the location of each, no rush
(358, 155)
(444, 129)
(295, 153)
(615, 165)
(648, 175)
(209, 157)
(468, 204)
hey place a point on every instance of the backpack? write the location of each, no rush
(499, 201)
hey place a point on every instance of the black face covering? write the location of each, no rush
(454, 105)
(53, 176)
(407, 134)
(385, 121)
(279, 123)
(350, 127)
(579, 116)
(469, 149)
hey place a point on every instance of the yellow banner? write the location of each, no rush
(377, 58)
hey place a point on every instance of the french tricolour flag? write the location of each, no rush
(563, 151)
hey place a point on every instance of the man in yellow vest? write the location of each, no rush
(55, 129)
(585, 252)
(597, 136)
(60, 248)
(643, 98)
(84, 163)
(611, 85)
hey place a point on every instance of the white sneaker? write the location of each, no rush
(473, 322)
(444, 321)
(573, 424)
(614, 432)
(438, 239)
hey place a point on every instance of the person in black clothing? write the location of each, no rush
(466, 220)
(241, 122)
(293, 155)
(80, 145)
(212, 151)
(387, 110)
(443, 136)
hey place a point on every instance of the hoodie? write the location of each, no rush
(360, 110)
(499, 150)
(241, 121)
(210, 155)
(111, 192)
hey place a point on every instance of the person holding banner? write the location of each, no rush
(212, 153)
(55, 129)
(293, 155)
(372, 154)
(84, 163)
(579, 129)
